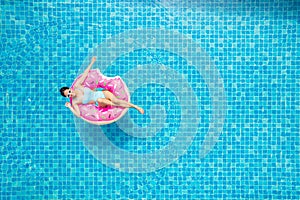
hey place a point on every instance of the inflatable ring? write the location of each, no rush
(103, 115)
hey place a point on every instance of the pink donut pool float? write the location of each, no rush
(103, 115)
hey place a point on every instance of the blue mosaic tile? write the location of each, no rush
(219, 82)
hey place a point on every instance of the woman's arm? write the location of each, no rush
(85, 73)
(74, 110)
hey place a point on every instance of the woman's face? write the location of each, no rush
(69, 93)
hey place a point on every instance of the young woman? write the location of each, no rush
(84, 95)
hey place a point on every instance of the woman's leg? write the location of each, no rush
(115, 101)
(105, 102)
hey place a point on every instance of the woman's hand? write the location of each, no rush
(85, 73)
(68, 105)
(74, 110)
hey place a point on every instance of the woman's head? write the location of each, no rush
(65, 91)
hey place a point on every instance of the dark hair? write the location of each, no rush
(62, 91)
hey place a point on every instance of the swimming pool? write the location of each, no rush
(219, 82)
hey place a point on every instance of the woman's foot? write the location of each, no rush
(141, 110)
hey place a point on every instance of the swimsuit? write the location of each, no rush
(90, 95)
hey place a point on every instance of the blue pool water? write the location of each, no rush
(219, 82)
